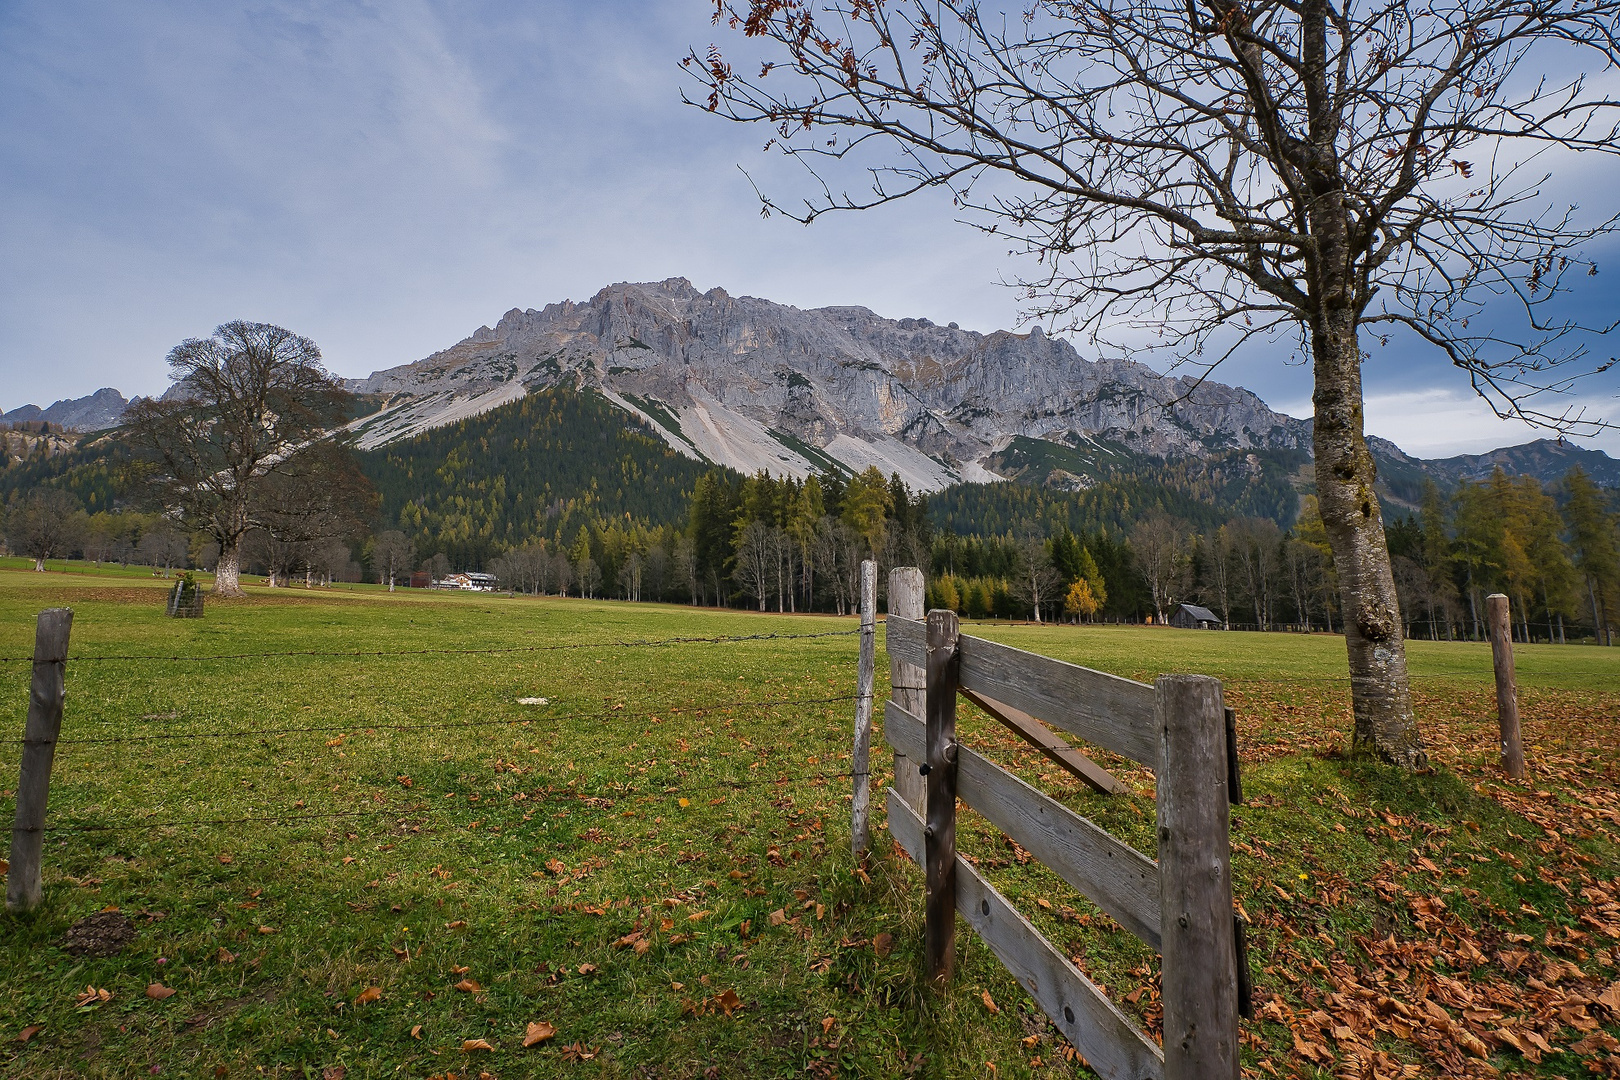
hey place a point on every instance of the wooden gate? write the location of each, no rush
(1180, 905)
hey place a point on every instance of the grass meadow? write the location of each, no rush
(368, 866)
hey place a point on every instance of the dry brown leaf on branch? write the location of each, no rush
(538, 1033)
(157, 991)
(368, 995)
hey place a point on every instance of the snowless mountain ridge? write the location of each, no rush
(752, 384)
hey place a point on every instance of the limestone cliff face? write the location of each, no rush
(102, 409)
(753, 384)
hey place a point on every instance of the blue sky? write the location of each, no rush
(385, 177)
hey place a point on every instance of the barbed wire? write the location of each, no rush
(323, 729)
(638, 643)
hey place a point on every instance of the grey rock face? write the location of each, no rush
(753, 384)
(102, 409)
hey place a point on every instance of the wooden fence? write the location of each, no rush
(1180, 905)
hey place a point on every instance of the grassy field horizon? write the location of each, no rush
(655, 861)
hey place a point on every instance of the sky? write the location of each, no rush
(386, 177)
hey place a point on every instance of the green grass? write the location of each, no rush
(661, 790)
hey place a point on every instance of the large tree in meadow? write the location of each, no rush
(243, 441)
(1209, 170)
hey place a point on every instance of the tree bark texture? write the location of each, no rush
(1380, 694)
(227, 572)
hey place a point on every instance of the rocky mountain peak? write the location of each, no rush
(749, 383)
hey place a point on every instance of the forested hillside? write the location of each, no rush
(536, 468)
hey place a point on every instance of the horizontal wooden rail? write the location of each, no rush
(1118, 878)
(1114, 713)
(1113, 1045)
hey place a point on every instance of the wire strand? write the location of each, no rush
(608, 797)
(328, 728)
(642, 643)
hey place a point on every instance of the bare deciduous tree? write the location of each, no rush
(391, 554)
(45, 524)
(1160, 543)
(1038, 579)
(241, 441)
(1207, 170)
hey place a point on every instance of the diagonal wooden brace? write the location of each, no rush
(1043, 739)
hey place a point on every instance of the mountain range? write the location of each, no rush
(750, 384)
(100, 410)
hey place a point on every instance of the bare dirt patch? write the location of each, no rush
(103, 934)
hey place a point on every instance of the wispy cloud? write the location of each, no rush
(386, 175)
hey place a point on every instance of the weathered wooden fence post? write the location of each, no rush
(906, 680)
(23, 889)
(939, 835)
(1500, 626)
(860, 765)
(1199, 973)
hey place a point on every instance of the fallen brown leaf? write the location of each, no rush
(92, 996)
(416, 1031)
(469, 986)
(587, 969)
(538, 1033)
(368, 995)
(883, 944)
(468, 1045)
(157, 991)
(989, 1003)
(29, 1032)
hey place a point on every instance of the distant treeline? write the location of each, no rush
(562, 492)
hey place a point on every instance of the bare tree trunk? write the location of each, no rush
(39, 564)
(228, 571)
(1381, 696)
